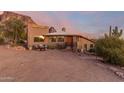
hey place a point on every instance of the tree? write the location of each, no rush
(1, 34)
(1, 30)
(15, 29)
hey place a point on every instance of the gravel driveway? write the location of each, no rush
(50, 65)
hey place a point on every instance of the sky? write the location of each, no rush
(90, 23)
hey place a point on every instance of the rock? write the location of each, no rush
(120, 74)
(19, 48)
(122, 68)
(101, 65)
(117, 72)
(30, 48)
(7, 46)
(7, 14)
(113, 69)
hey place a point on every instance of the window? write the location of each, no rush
(38, 39)
(85, 46)
(91, 45)
(52, 39)
(61, 39)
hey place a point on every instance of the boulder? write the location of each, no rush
(114, 69)
(120, 74)
(19, 48)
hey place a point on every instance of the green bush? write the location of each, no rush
(111, 49)
(114, 56)
(20, 42)
(92, 50)
(1, 40)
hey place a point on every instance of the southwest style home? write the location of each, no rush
(38, 34)
(71, 40)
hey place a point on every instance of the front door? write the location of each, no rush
(69, 41)
(74, 43)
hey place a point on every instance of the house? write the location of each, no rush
(41, 35)
(71, 40)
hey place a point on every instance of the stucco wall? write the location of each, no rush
(82, 41)
(76, 41)
(34, 31)
(69, 40)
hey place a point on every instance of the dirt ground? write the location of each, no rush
(50, 65)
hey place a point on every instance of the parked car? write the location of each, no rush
(40, 46)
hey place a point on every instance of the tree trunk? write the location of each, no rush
(15, 37)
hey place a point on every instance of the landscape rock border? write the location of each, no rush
(119, 71)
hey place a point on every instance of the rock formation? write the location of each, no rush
(7, 15)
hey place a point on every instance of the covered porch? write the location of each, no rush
(61, 41)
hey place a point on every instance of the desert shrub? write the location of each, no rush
(92, 50)
(114, 56)
(15, 30)
(1, 40)
(51, 46)
(111, 49)
(61, 46)
(20, 42)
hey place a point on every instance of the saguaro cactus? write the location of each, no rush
(110, 31)
(116, 32)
